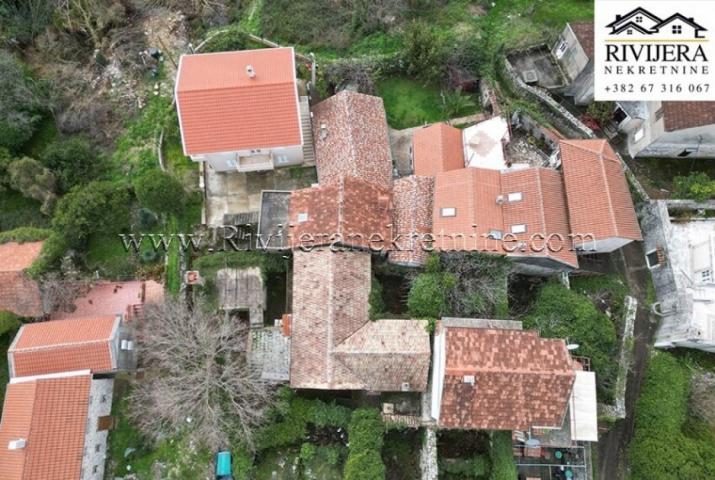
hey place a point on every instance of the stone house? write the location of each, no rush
(573, 52)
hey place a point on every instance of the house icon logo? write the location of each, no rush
(640, 21)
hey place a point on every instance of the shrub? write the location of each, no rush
(52, 250)
(19, 104)
(427, 297)
(559, 312)
(30, 178)
(24, 234)
(98, 207)
(231, 38)
(666, 443)
(602, 112)
(307, 452)
(423, 52)
(365, 437)
(697, 186)
(73, 161)
(9, 322)
(476, 467)
(377, 304)
(160, 192)
(502, 457)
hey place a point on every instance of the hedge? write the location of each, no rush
(365, 439)
(9, 322)
(502, 456)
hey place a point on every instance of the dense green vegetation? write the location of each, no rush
(502, 457)
(365, 434)
(697, 186)
(668, 444)
(562, 313)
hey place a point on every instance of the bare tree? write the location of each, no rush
(59, 292)
(198, 378)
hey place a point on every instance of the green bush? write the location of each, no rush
(502, 457)
(476, 467)
(365, 440)
(375, 300)
(562, 313)
(95, 208)
(667, 445)
(307, 452)
(9, 322)
(231, 38)
(73, 161)
(19, 104)
(423, 52)
(365, 465)
(697, 186)
(160, 192)
(30, 178)
(52, 251)
(427, 297)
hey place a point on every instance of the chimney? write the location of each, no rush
(250, 71)
(618, 17)
(18, 444)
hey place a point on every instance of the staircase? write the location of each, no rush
(307, 126)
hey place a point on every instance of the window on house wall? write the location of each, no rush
(706, 276)
(677, 29)
(652, 259)
(659, 113)
(302, 217)
(629, 31)
(231, 163)
(638, 136)
(561, 49)
(520, 228)
(97, 448)
(448, 212)
(639, 19)
(103, 399)
(495, 234)
(95, 469)
(515, 197)
(686, 152)
(281, 159)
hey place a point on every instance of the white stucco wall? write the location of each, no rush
(95, 442)
(574, 59)
(228, 161)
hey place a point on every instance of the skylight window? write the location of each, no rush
(302, 217)
(448, 212)
(515, 197)
(520, 228)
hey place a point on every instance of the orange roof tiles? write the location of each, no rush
(222, 109)
(412, 198)
(62, 346)
(473, 193)
(584, 34)
(598, 198)
(18, 292)
(350, 212)
(351, 139)
(521, 380)
(51, 414)
(682, 115)
(437, 148)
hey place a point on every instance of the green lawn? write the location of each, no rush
(18, 211)
(410, 103)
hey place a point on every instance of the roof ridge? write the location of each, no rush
(58, 345)
(232, 87)
(611, 211)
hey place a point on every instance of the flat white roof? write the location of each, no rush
(483, 144)
(584, 417)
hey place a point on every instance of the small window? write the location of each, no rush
(515, 197)
(97, 448)
(280, 159)
(448, 212)
(302, 217)
(652, 259)
(686, 152)
(706, 276)
(638, 136)
(103, 399)
(495, 234)
(231, 163)
(677, 29)
(520, 228)
(629, 31)
(95, 469)
(659, 113)
(639, 19)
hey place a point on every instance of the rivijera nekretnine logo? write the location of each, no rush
(654, 50)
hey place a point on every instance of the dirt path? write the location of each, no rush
(613, 445)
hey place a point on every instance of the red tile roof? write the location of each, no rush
(682, 115)
(222, 109)
(350, 212)
(351, 139)
(521, 380)
(63, 346)
(51, 414)
(114, 298)
(585, 35)
(18, 292)
(598, 198)
(437, 148)
(334, 346)
(473, 192)
(412, 198)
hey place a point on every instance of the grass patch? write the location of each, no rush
(410, 103)
(18, 211)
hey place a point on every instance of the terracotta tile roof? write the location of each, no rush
(437, 148)
(682, 115)
(351, 139)
(333, 344)
(521, 380)
(222, 109)
(114, 298)
(412, 198)
(473, 193)
(51, 414)
(584, 34)
(63, 346)
(350, 210)
(599, 201)
(18, 292)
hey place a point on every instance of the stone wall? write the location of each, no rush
(95, 441)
